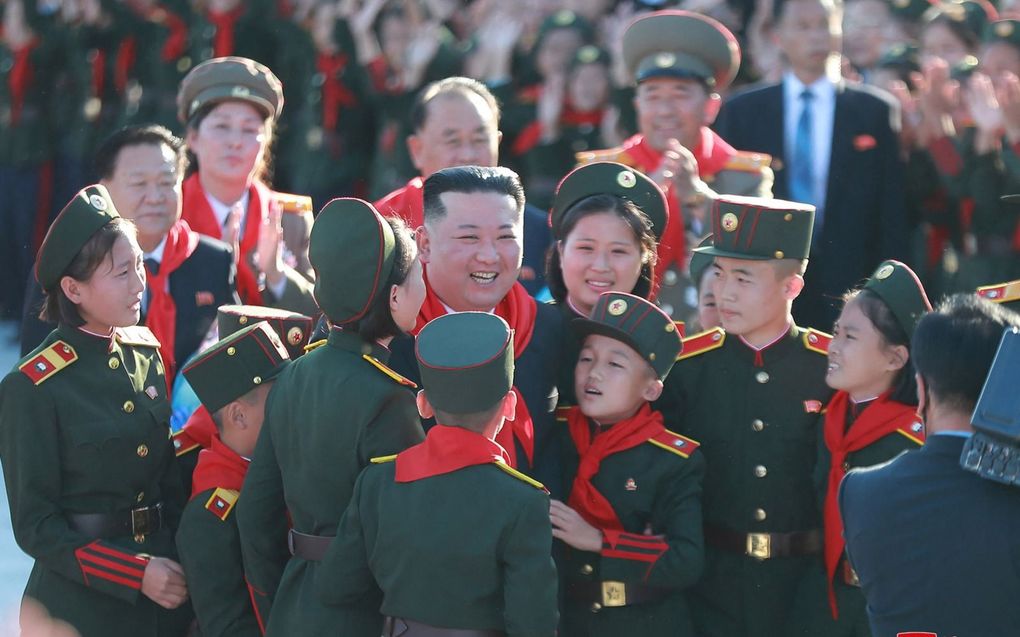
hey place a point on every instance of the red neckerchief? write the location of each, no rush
(879, 419)
(199, 215)
(584, 497)
(334, 93)
(200, 427)
(177, 38)
(406, 203)
(518, 309)
(20, 78)
(712, 154)
(445, 450)
(532, 133)
(219, 466)
(223, 41)
(161, 316)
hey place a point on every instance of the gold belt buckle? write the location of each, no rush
(759, 545)
(614, 594)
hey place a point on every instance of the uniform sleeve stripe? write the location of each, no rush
(130, 583)
(106, 550)
(90, 561)
(641, 541)
(637, 557)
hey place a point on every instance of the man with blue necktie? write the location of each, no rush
(834, 145)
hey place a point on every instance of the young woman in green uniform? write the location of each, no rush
(84, 438)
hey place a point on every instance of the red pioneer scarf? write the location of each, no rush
(199, 428)
(219, 466)
(335, 94)
(518, 309)
(879, 419)
(447, 449)
(532, 133)
(223, 41)
(584, 497)
(20, 78)
(199, 215)
(161, 316)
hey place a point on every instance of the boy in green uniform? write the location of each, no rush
(751, 392)
(633, 519)
(458, 541)
(233, 379)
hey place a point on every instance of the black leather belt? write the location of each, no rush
(765, 546)
(308, 547)
(610, 594)
(396, 627)
(136, 522)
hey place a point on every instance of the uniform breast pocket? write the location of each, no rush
(91, 447)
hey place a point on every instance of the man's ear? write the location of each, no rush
(425, 409)
(712, 107)
(792, 286)
(414, 147)
(424, 241)
(652, 390)
(233, 416)
(922, 393)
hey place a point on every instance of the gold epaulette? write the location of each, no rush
(748, 162)
(184, 443)
(383, 459)
(915, 433)
(222, 502)
(672, 441)
(137, 335)
(1001, 292)
(389, 372)
(294, 204)
(520, 476)
(48, 362)
(617, 154)
(817, 341)
(703, 342)
(316, 345)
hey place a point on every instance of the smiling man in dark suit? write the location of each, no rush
(188, 275)
(834, 145)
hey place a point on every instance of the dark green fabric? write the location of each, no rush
(715, 397)
(468, 549)
(210, 550)
(898, 287)
(83, 216)
(638, 323)
(610, 178)
(68, 445)
(466, 361)
(327, 415)
(681, 44)
(664, 499)
(293, 329)
(760, 229)
(236, 365)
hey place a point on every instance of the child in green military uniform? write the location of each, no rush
(606, 219)
(330, 412)
(751, 392)
(872, 418)
(84, 420)
(233, 379)
(458, 541)
(632, 524)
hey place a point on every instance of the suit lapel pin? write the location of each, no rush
(151, 392)
(630, 485)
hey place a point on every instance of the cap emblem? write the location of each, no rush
(665, 60)
(626, 179)
(294, 335)
(587, 54)
(884, 272)
(1004, 29)
(240, 91)
(617, 307)
(98, 203)
(729, 222)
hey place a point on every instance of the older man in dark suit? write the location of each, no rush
(834, 145)
(935, 547)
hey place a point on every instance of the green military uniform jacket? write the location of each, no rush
(469, 549)
(756, 421)
(210, 546)
(84, 428)
(655, 490)
(328, 414)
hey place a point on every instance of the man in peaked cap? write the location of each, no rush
(681, 61)
(455, 493)
(233, 379)
(751, 392)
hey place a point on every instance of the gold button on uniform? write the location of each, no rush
(760, 471)
(757, 424)
(762, 377)
(114, 363)
(846, 467)
(140, 496)
(759, 515)
(586, 569)
(128, 406)
(596, 607)
(142, 451)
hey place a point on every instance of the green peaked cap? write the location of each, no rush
(610, 178)
(235, 365)
(466, 361)
(639, 323)
(351, 249)
(900, 289)
(293, 329)
(758, 229)
(681, 44)
(83, 216)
